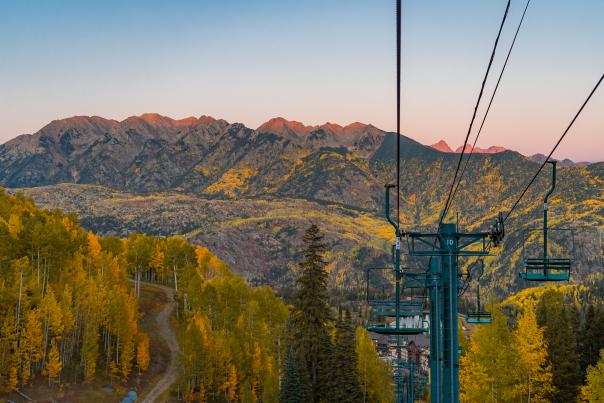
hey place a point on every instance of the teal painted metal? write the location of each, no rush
(413, 279)
(397, 274)
(436, 299)
(411, 380)
(442, 279)
(448, 248)
(479, 316)
(546, 268)
(443, 282)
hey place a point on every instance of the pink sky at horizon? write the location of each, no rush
(312, 62)
(426, 140)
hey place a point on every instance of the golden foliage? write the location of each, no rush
(232, 182)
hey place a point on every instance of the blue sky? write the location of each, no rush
(312, 61)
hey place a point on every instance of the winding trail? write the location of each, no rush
(166, 333)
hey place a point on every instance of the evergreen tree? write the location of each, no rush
(311, 317)
(559, 334)
(345, 380)
(291, 388)
(591, 339)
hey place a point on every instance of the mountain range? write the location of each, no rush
(442, 146)
(248, 194)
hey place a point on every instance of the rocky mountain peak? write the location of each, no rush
(442, 146)
(284, 127)
(445, 148)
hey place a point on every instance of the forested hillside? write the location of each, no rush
(69, 313)
(67, 310)
(544, 343)
(246, 193)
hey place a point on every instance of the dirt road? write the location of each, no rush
(166, 333)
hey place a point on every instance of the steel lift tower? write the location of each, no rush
(444, 248)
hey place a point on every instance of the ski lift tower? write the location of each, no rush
(444, 249)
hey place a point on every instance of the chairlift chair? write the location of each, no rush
(547, 268)
(383, 317)
(386, 316)
(478, 316)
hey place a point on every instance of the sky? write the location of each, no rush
(312, 61)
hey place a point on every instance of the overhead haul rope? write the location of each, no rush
(446, 207)
(398, 113)
(572, 122)
(490, 103)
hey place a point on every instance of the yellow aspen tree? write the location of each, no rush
(142, 352)
(157, 262)
(593, 391)
(493, 359)
(231, 389)
(8, 358)
(256, 368)
(94, 246)
(90, 351)
(53, 363)
(19, 266)
(67, 315)
(473, 378)
(114, 370)
(536, 372)
(14, 225)
(13, 375)
(375, 376)
(52, 313)
(201, 396)
(270, 381)
(32, 343)
(216, 267)
(202, 255)
(127, 353)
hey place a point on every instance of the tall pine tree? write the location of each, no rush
(291, 387)
(345, 379)
(559, 333)
(591, 339)
(311, 319)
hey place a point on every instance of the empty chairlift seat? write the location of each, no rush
(383, 316)
(546, 269)
(411, 317)
(539, 245)
(478, 316)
